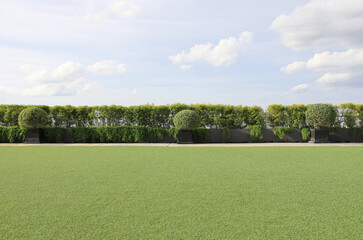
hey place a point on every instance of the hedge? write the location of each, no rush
(212, 116)
(12, 134)
(348, 115)
(117, 134)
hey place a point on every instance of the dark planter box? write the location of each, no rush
(346, 135)
(32, 136)
(268, 135)
(166, 139)
(239, 136)
(319, 135)
(358, 136)
(68, 138)
(185, 137)
(235, 136)
(214, 136)
(341, 135)
(293, 136)
(290, 136)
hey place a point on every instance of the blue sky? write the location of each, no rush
(131, 52)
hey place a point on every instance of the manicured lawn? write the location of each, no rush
(181, 193)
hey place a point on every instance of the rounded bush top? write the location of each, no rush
(320, 115)
(187, 120)
(33, 117)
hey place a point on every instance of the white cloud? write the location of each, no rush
(107, 67)
(66, 72)
(124, 9)
(337, 61)
(338, 68)
(66, 79)
(293, 67)
(300, 88)
(185, 67)
(322, 23)
(134, 91)
(331, 78)
(223, 54)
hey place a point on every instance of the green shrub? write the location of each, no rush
(187, 120)
(255, 116)
(276, 115)
(305, 133)
(156, 133)
(320, 115)
(33, 117)
(255, 132)
(12, 134)
(350, 114)
(280, 132)
(3, 135)
(296, 115)
(9, 114)
(173, 132)
(360, 114)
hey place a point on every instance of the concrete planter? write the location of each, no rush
(268, 135)
(32, 136)
(342, 135)
(293, 136)
(214, 136)
(239, 136)
(290, 136)
(358, 136)
(236, 136)
(346, 135)
(319, 135)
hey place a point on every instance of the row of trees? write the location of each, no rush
(212, 116)
(348, 115)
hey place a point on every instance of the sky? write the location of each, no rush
(132, 52)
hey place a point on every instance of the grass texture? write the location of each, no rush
(181, 193)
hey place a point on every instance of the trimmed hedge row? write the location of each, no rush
(348, 115)
(212, 116)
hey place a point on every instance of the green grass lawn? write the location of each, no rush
(181, 193)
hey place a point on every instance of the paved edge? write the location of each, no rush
(183, 145)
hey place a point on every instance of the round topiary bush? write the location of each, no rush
(32, 118)
(187, 120)
(320, 115)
